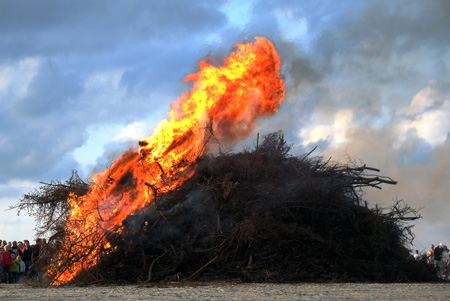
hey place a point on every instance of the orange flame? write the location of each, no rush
(224, 100)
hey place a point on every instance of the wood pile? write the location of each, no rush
(261, 215)
(264, 215)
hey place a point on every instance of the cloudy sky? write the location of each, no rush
(81, 81)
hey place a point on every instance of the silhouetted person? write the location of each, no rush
(438, 255)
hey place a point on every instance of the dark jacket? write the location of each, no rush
(36, 252)
(438, 253)
(27, 254)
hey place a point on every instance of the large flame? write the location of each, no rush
(224, 103)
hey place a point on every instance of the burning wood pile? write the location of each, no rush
(263, 215)
(180, 208)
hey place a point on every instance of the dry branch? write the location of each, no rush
(203, 267)
(149, 278)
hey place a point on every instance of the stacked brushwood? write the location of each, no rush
(265, 215)
(258, 215)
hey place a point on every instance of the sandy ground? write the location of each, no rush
(228, 291)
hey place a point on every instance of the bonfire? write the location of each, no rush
(180, 206)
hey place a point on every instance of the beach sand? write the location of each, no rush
(233, 291)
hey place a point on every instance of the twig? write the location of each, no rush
(149, 278)
(200, 269)
(155, 191)
(307, 155)
(162, 170)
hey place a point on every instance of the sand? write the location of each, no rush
(229, 291)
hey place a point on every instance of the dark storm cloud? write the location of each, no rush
(50, 27)
(375, 42)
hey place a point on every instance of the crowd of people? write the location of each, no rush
(439, 257)
(19, 259)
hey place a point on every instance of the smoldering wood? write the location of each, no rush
(263, 215)
(289, 219)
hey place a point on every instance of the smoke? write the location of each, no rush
(368, 81)
(375, 88)
(196, 217)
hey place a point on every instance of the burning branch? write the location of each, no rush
(155, 191)
(163, 174)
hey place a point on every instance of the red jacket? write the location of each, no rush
(6, 259)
